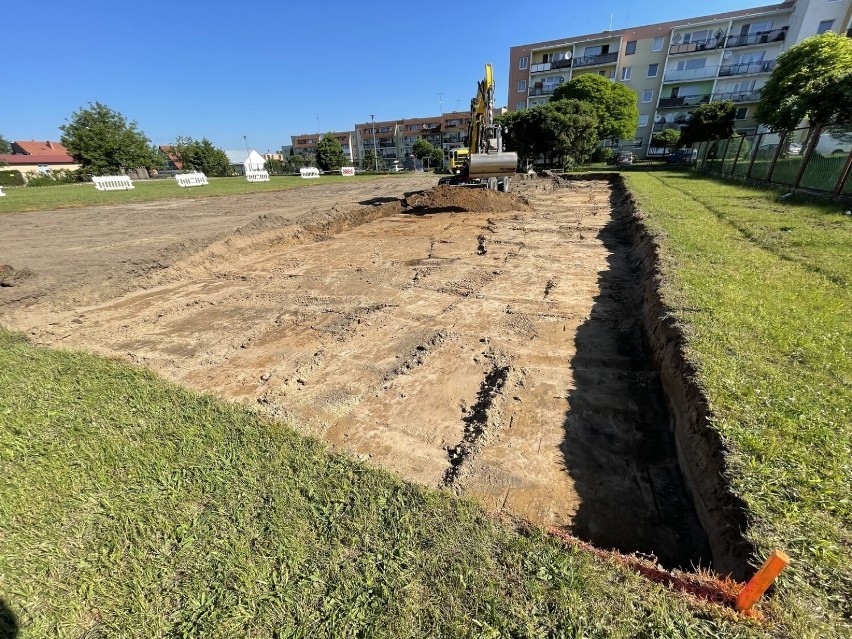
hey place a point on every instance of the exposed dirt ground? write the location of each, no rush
(482, 341)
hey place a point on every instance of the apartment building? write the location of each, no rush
(306, 143)
(395, 139)
(675, 66)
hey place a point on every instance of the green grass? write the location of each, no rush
(132, 508)
(85, 194)
(762, 288)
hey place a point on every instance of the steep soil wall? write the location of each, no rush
(700, 450)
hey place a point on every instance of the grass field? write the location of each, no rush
(133, 508)
(762, 286)
(85, 194)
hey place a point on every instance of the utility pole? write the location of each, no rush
(375, 152)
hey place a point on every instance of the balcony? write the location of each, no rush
(547, 89)
(744, 68)
(679, 75)
(698, 45)
(746, 96)
(541, 67)
(593, 60)
(761, 37)
(684, 100)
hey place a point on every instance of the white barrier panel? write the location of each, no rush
(347, 170)
(191, 179)
(112, 183)
(1, 192)
(309, 172)
(257, 176)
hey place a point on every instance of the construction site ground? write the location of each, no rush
(484, 342)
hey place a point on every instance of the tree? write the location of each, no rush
(369, 162)
(294, 163)
(201, 155)
(614, 105)
(330, 156)
(425, 151)
(562, 132)
(667, 138)
(812, 80)
(714, 121)
(274, 165)
(5, 147)
(102, 141)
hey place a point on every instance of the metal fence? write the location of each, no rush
(785, 159)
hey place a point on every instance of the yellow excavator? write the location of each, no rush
(483, 163)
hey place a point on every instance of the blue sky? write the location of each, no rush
(269, 70)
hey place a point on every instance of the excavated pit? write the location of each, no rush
(504, 346)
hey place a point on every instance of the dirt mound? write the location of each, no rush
(10, 276)
(462, 199)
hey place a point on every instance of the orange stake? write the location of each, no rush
(762, 579)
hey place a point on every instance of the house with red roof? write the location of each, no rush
(35, 156)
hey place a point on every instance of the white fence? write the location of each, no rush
(112, 183)
(347, 170)
(257, 176)
(309, 172)
(191, 179)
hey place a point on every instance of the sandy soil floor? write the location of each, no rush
(484, 342)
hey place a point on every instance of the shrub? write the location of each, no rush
(11, 178)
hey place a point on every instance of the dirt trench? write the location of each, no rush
(485, 342)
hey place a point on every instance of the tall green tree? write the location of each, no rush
(103, 141)
(330, 155)
(428, 153)
(714, 121)
(614, 104)
(201, 155)
(369, 162)
(5, 146)
(294, 163)
(812, 80)
(562, 132)
(667, 138)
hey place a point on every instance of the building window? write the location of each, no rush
(522, 86)
(520, 106)
(523, 63)
(625, 73)
(652, 70)
(824, 26)
(741, 114)
(657, 44)
(647, 95)
(643, 121)
(630, 49)
(44, 169)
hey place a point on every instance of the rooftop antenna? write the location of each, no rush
(245, 141)
(441, 101)
(610, 21)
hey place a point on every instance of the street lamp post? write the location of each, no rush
(375, 152)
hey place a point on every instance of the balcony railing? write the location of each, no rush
(745, 96)
(684, 100)
(697, 45)
(765, 66)
(547, 89)
(675, 75)
(561, 64)
(761, 37)
(541, 67)
(591, 60)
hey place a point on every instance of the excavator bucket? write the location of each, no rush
(492, 164)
